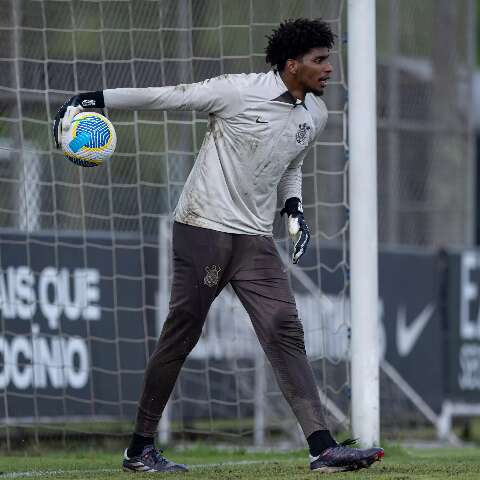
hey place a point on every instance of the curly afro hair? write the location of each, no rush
(294, 38)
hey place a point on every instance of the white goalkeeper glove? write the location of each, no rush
(297, 227)
(73, 106)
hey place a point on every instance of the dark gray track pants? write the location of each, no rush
(204, 261)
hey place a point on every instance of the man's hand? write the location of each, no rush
(73, 106)
(297, 227)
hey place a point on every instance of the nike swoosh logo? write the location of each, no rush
(259, 121)
(407, 335)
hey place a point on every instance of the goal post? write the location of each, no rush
(362, 130)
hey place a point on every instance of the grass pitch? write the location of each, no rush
(399, 464)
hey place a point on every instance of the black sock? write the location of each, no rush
(137, 444)
(319, 441)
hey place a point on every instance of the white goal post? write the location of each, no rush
(362, 127)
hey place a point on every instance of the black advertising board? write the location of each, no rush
(411, 313)
(463, 336)
(72, 329)
(78, 315)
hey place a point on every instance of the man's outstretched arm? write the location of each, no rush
(220, 95)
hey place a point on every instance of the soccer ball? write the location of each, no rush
(90, 140)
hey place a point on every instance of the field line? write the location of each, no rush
(53, 473)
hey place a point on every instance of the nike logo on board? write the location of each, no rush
(407, 335)
(259, 121)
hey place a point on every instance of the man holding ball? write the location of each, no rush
(261, 127)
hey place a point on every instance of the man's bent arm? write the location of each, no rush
(290, 184)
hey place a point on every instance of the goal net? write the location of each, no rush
(85, 253)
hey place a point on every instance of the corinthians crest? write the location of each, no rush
(303, 134)
(212, 276)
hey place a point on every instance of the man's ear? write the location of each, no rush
(292, 66)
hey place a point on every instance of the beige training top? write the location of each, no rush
(257, 138)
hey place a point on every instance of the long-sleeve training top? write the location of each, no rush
(258, 136)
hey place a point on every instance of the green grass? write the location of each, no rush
(211, 464)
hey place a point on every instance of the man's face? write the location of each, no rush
(314, 70)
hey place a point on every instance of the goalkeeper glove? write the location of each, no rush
(297, 228)
(72, 107)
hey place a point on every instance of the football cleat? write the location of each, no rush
(151, 460)
(342, 458)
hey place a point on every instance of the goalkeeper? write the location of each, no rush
(261, 127)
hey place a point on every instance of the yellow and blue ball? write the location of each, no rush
(90, 140)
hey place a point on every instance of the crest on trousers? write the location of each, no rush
(213, 275)
(303, 134)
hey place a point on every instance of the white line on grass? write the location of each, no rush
(53, 473)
